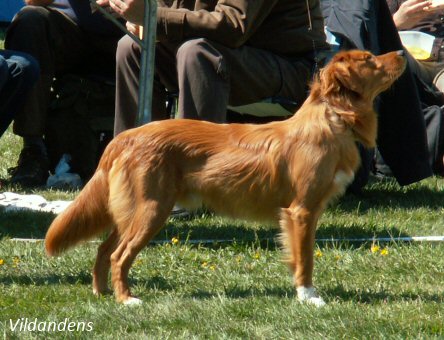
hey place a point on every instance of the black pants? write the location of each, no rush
(60, 46)
(18, 74)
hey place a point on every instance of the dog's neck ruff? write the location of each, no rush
(334, 116)
(327, 102)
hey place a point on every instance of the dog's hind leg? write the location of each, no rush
(148, 219)
(103, 263)
(299, 226)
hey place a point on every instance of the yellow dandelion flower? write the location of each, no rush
(384, 252)
(204, 264)
(257, 255)
(374, 248)
(318, 253)
(213, 267)
(2, 262)
(174, 240)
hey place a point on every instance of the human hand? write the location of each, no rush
(102, 3)
(133, 28)
(410, 13)
(131, 10)
(437, 5)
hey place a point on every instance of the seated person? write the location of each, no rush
(18, 73)
(219, 53)
(418, 15)
(64, 36)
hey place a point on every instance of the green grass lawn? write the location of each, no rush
(2, 37)
(238, 289)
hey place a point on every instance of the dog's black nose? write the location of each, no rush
(400, 53)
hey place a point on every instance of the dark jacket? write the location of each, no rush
(279, 26)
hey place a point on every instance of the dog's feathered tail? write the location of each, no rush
(84, 218)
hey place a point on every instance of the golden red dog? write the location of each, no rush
(284, 171)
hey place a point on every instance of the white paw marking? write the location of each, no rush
(132, 301)
(316, 301)
(308, 295)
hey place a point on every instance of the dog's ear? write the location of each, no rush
(343, 69)
(338, 76)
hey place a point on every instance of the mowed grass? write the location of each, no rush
(241, 288)
(237, 286)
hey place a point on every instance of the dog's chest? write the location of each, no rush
(343, 178)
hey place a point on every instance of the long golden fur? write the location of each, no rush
(283, 171)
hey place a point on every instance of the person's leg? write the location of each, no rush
(21, 73)
(4, 75)
(3, 71)
(211, 76)
(56, 43)
(127, 83)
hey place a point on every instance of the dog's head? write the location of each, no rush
(349, 84)
(360, 75)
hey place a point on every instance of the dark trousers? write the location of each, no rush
(18, 74)
(60, 46)
(368, 24)
(208, 77)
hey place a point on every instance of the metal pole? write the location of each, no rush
(147, 63)
(147, 56)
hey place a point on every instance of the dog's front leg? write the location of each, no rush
(299, 226)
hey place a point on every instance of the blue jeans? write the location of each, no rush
(18, 74)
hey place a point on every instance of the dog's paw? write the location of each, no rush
(308, 295)
(132, 301)
(315, 301)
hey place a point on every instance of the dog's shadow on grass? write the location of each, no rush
(145, 286)
(338, 294)
(377, 197)
(83, 277)
(367, 296)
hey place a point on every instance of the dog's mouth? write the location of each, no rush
(398, 71)
(394, 64)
